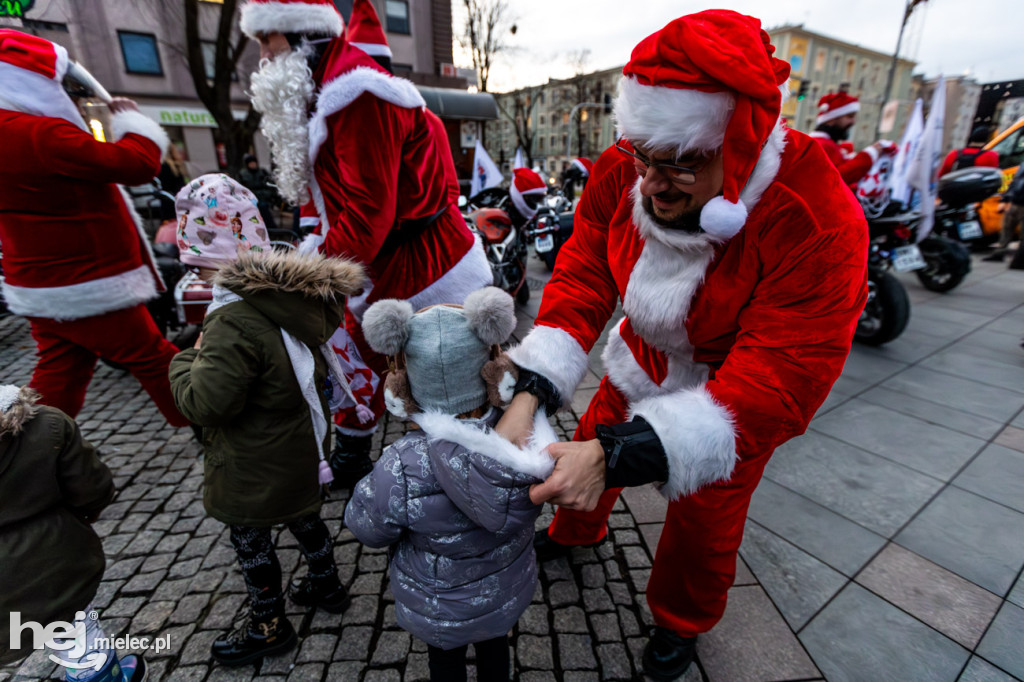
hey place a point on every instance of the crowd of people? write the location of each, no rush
(734, 244)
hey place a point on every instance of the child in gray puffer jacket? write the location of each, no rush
(452, 496)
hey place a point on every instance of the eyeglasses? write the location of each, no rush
(679, 174)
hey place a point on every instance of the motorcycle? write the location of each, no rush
(956, 217)
(552, 226)
(504, 244)
(891, 248)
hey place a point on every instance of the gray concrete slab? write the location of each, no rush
(971, 536)
(860, 637)
(962, 394)
(1003, 644)
(980, 368)
(980, 670)
(933, 413)
(997, 473)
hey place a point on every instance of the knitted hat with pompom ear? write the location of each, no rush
(706, 81)
(316, 17)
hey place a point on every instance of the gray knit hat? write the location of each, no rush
(445, 348)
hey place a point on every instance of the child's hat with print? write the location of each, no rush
(217, 220)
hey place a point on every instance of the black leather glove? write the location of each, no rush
(633, 454)
(540, 386)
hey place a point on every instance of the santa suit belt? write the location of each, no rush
(409, 231)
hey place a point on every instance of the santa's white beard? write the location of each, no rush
(281, 91)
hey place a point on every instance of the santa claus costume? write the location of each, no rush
(852, 166)
(76, 262)
(383, 178)
(731, 339)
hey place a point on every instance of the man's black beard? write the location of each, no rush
(688, 222)
(835, 132)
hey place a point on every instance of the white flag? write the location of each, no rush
(899, 188)
(485, 173)
(923, 173)
(520, 160)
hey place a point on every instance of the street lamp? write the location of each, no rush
(907, 11)
(572, 116)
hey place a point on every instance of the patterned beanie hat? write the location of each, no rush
(217, 220)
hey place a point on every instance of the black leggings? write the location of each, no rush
(491, 662)
(260, 567)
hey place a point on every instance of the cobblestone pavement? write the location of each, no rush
(854, 573)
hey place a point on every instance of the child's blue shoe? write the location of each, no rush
(127, 669)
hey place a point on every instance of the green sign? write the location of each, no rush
(15, 8)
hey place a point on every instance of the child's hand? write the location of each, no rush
(199, 340)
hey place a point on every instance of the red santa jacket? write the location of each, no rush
(726, 349)
(987, 158)
(73, 246)
(383, 169)
(851, 167)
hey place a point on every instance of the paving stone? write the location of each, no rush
(636, 557)
(309, 672)
(646, 504)
(243, 674)
(190, 608)
(344, 671)
(207, 581)
(392, 647)
(534, 653)
(176, 637)
(280, 665)
(620, 521)
(1002, 643)
(187, 568)
(620, 593)
(390, 675)
(639, 579)
(597, 601)
(363, 611)
(197, 547)
(317, 648)
(570, 619)
(563, 593)
(224, 612)
(614, 662)
(142, 543)
(354, 644)
(996, 474)
(125, 606)
(621, 538)
(197, 650)
(144, 582)
(156, 562)
(417, 669)
(172, 590)
(980, 670)
(580, 676)
(575, 652)
(190, 674)
(557, 569)
(593, 575)
(125, 568)
(606, 627)
(535, 619)
(1016, 595)
(151, 617)
(369, 583)
(628, 623)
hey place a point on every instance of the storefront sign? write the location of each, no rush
(192, 117)
(15, 8)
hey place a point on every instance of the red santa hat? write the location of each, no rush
(584, 165)
(31, 71)
(525, 182)
(365, 32)
(706, 81)
(836, 104)
(319, 17)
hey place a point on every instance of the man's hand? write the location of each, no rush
(516, 425)
(119, 104)
(199, 341)
(578, 479)
(886, 147)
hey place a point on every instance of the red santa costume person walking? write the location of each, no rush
(76, 262)
(739, 256)
(837, 114)
(380, 170)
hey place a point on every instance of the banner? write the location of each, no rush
(485, 173)
(898, 185)
(923, 172)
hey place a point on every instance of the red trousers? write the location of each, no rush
(695, 563)
(68, 352)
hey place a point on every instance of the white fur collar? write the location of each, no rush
(530, 460)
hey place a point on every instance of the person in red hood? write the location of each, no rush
(76, 262)
(380, 170)
(837, 114)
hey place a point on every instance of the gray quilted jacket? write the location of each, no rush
(453, 500)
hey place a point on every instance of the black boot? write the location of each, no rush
(350, 459)
(254, 639)
(667, 655)
(549, 550)
(329, 595)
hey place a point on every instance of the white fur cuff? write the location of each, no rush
(698, 436)
(138, 123)
(555, 355)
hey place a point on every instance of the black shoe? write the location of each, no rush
(331, 596)
(255, 639)
(549, 550)
(350, 460)
(667, 655)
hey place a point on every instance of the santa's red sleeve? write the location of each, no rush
(133, 158)
(851, 169)
(581, 295)
(367, 143)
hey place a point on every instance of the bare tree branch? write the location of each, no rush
(484, 34)
(518, 108)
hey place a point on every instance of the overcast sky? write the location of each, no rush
(981, 38)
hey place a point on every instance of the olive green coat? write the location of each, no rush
(52, 485)
(261, 460)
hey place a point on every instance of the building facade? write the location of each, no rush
(1000, 104)
(962, 96)
(822, 65)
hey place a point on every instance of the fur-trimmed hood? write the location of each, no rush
(303, 295)
(17, 408)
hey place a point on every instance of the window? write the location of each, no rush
(398, 16)
(552, 141)
(210, 61)
(819, 60)
(542, 119)
(140, 53)
(1011, 149)
(540, 144)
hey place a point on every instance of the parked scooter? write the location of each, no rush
(552, 226)
(956, 217)
(490, 214)
(891, 248)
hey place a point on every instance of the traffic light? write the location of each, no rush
(805, 86)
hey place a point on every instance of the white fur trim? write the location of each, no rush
(851, 108)
(290, 17)
(506, 388)
(633, 381)
(698, 436)
(472, 272)
(85, 299)
(674, 119)
(63, 62)
(555, 355)
(33, 93)
(394, 404)
(148, 257)
(310, 245)
(138, 123)
(872, 152)
(344, 90)
(374, 49)
(767, 167)
(652, 231)
(531, 460)
(723, 219)
(579, 165)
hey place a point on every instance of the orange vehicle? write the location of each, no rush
(1010, 146)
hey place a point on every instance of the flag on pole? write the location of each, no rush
(520, 160)
(485, 173)
(923, 172)
(898, 185)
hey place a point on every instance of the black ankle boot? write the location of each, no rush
(254, 639)
(329, 595)
(350, 459)
(548, 550)
(667, 655)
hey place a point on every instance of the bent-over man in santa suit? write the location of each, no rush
(837, 114)
(739, 256)
(379, 166)
(76, 262)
